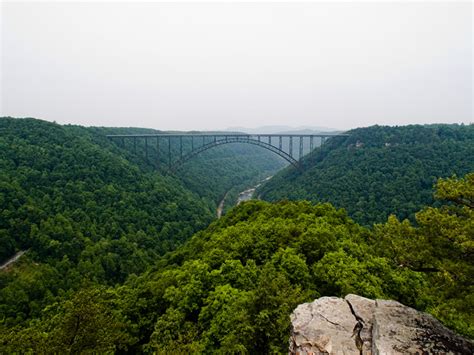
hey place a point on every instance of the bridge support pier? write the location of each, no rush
(301, 148)
(146, 148)
(169, 152)
(284, 146)
(157, 152)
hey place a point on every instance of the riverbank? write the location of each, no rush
(13, 259)
(245, 195)
(249, 193)
(220, 208)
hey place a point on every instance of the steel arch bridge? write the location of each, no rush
(183, 147)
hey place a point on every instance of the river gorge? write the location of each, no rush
(243, 196)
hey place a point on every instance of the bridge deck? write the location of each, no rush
(223, 135)
(286, 145)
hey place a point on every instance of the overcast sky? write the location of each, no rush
(212, 66)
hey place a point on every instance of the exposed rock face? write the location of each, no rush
(357, 325)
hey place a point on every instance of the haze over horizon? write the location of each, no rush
(213, 66)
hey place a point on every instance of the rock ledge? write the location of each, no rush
(358, 325)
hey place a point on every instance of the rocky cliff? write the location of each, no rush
(357, 325)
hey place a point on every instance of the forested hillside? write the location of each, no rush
(86, 209)
(231, 288)
(378, 171)
(211, 173)
(112, 264)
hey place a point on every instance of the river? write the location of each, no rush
(220, 208)
(243, 196)
(12, 259)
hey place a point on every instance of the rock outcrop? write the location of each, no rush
(358, 325)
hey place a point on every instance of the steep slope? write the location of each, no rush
(96, 225)
(235, 166)
(232, 287)
(64, 188)
(85, 209)
(211, 173)
(377, 171)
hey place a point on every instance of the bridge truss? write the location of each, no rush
(179, 148)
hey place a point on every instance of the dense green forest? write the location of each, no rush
(87, 209)
(122, 257)
(52, 173)
(231, 288)
(211, 173)
(379, 170)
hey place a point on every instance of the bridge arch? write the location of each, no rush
(284, 147)
(229, 140)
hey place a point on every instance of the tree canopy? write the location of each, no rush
(378, 171)
(124, 258)
(231, 287)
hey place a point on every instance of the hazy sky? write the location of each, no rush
(211, 66)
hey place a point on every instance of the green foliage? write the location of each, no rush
(85, 208)
(379, 171)
(232, 287)
(459, 191)
(112, 267)
(442, 247)
(212, 173)
(83, 324)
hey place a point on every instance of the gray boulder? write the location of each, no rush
(358, 325)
